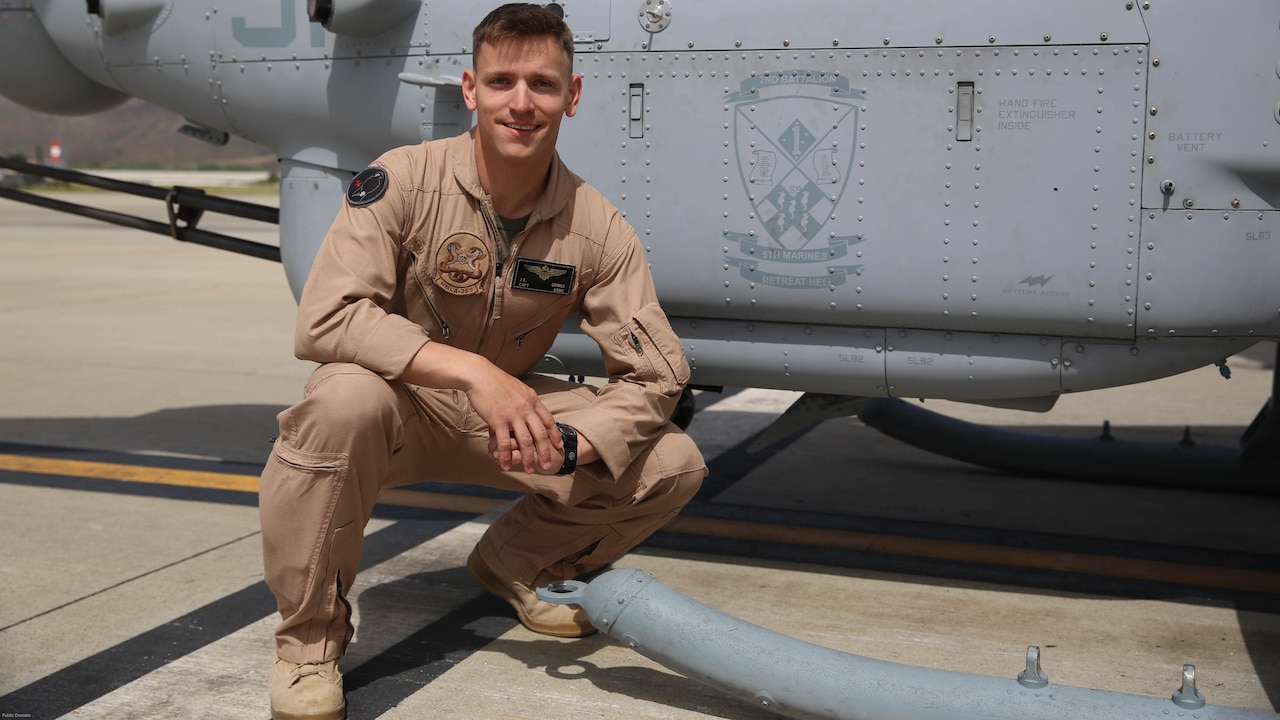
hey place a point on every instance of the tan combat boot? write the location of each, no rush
(307, 692)
(537, 615)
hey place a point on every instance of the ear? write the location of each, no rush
(469, 89)
(575, 94)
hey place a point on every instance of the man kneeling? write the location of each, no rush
(443, 281)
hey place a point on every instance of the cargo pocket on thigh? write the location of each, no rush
(303, 492)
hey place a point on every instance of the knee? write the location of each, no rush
(341, 400)
(350, 390)
(685, 485)
(683, 467)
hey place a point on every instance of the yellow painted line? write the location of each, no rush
(226, 481)
(1102, 565)
(129, 473)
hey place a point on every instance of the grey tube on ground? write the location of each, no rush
(798, 679)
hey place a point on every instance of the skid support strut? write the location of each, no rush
(185, 207)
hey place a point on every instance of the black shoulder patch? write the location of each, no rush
(367, 187)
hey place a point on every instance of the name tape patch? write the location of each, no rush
(542, 276)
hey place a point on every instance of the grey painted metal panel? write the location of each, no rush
(971, 366)
(817, 358)
(76, 37)
(1091, 365)
(801, 174)
(1198, 268)
(862, 24)
(1214, 128)
(829, 186)
(46, 81)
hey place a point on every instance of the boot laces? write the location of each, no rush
(300, 671)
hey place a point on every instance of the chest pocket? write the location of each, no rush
(531, 321)
(537, 293)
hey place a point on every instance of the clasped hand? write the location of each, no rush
(522, 432)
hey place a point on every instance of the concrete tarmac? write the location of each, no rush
(140, 380)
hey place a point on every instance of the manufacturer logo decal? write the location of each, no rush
(462, 264)
(1031, 282)
(795, 132)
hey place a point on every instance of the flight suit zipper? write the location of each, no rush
(494, 232)
(486, 209)
(516, 239)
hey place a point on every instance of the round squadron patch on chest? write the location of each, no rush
(367, 187)
(462, 264)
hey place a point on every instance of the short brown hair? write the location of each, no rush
(521, 20)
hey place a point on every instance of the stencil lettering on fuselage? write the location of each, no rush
(252, 35)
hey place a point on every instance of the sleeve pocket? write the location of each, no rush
(652, 348)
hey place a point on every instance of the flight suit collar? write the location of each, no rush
(555, 196)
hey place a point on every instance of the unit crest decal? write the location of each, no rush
(795, 132)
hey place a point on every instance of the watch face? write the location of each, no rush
(570, 438)
(367, 187)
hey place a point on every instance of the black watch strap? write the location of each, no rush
(570, 438)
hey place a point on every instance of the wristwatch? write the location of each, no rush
(570, 438)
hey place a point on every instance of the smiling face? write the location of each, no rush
(520, 89)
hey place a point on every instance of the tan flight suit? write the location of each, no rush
(412, 259)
